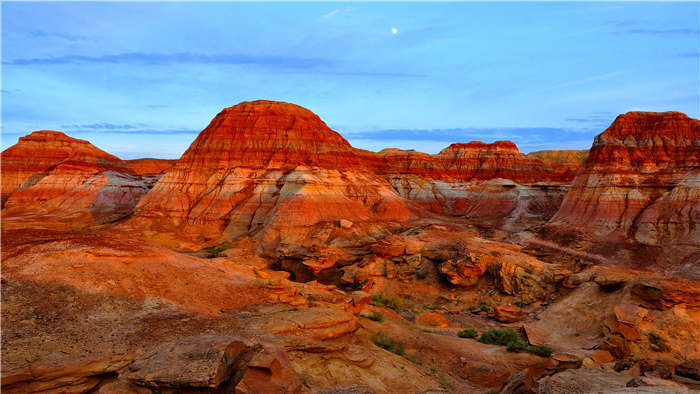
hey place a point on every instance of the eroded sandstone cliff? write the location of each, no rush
(641, 184)
(48, 174)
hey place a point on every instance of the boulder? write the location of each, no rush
(464, 271)
(508, 313)
(535, 336)
(593, 380)
(567, 361)
(269, 371)
(630, 314)
(664, 294)
(203, 361)
(432, 319)
(602, 357)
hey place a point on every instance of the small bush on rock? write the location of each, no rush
(468, 333)
(516, 346)
(511, 339)
(501, 337)
(383, 341)
(375, 316)
(540, 350)
(387, 302)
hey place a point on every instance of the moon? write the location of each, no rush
(394, 31)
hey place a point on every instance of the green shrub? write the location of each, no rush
(484, 307)
(468, 333)
(511, 339)
(497, 336)
(400, 349)
(516, 346)
(387, 302)
(375, 316)
(413, 360)
(519, 304)
(383, 341)
(421, 274)
(215, 251)
(540, 350)
(442, 379)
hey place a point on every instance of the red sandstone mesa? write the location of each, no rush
(269, 166)
(473, 161)
(641, 182)
(49, 173)
(564, 162)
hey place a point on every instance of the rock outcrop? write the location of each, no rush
(203, 361)
(473, 161)
(65, 179)
(150, 170)
(486, 182)
(641, 185)
(563, 162)
(272, 169)
(150, 166)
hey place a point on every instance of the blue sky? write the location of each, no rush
(142, 79)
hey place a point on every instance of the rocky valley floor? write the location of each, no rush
(85, 310)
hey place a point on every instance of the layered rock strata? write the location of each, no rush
(65, 179)
(641, 184)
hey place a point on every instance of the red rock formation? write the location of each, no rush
(641, 182)
(24, 163)
(473, 161)
(264, 164)
(273, 166)
(564, 162)
(49, 173)
(150, 166)
(564, 157)
(493, 183)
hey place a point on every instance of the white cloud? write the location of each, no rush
(331, 14)
(336, 12)
(394, 31)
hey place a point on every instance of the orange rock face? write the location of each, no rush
(49, 173)
(150, 166)
(641, 182)
(564, 162)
